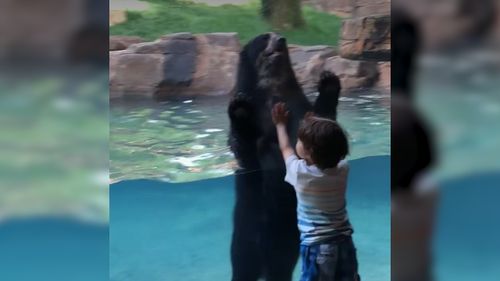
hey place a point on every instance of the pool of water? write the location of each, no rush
(186, 140)
(48, 248)
(182, 231)
(172, 199)
(151, 235)
(54, 143)
(467, 231)
(459, 97)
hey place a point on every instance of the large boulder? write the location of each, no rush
(184, 64)
(118, 42)
(366, 38)
(309, 62)
(384, 79)
(41, 30)
(449, 24)
(216, 67)
(353, 74)
(363, 8)
(300, 55)
(179, 64)
(134, 74)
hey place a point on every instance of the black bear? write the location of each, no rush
(412, 156)
(412, 146)
(265, 241)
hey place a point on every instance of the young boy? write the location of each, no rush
(319, 177)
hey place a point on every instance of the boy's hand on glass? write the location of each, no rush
(279, 113)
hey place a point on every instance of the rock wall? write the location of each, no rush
(184, 64)
(365, 8)
(384, 79)
(339, 7)
(365, 40)
(309, 62)
(352, 8)
(450, 23)
(117, 43)
(36, 32)
(176, 65)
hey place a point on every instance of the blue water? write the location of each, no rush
(467, 244)
(182, 231)
(172, 201)
(53, 249)
(160, 231)
(186, 140)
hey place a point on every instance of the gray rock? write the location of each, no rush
(180, 36)
(180, 46)
(165, 46)
(117, 43)
(135, 73)
(206, 64)
(155, 47)
(352, 73)
(445, 24)
(227, 40)
(384, 69)
(363, 8)
(179, 69)
(300, 55)
(366, 38)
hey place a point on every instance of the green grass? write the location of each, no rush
(172, 16)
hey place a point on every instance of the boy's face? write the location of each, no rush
(302, 152)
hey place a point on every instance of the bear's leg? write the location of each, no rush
(282, 253)
(329, 91)
(281, 233)
(246, 248)
(245, 259)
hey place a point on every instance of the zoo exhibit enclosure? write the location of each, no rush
(203, 66)
(181, 139)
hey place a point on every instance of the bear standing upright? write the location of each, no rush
(265, 241)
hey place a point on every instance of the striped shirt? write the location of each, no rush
(321, 204)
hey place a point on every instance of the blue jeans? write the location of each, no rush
(330, 261)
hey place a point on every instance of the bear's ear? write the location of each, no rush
(405, 46)
(247, 75)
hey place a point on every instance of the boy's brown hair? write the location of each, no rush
(325, 139)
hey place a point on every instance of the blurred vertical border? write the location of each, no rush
(54, 140)
(455, 86)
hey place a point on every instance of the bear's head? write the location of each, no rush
(264, 64)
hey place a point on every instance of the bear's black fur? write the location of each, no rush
(265, 241)
(412, 145)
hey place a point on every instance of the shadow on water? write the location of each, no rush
(182, 231)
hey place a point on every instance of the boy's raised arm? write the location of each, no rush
(280, 118)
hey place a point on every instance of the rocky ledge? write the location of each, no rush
(184, 64)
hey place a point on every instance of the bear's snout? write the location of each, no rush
(276, 45)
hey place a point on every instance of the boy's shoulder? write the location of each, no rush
(342, 166)
(293, 162)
